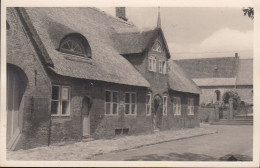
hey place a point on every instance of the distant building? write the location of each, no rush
(75, 73)
(215, 76)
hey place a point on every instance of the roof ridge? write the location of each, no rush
(111, 16)
(203, 58)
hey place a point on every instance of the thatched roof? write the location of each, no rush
(53, 24)
(132, 42)
(179, 81)
(109, 39)
(245, 72)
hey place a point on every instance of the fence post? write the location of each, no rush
(231, 110)
(217, 112)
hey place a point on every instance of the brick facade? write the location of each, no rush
(39, 128)
(35, 101)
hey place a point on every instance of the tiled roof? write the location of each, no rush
(215, 81)
(225, 67)
(245, 72)
(179, 81)
(219, 71)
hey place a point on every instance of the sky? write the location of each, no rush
(198, 32)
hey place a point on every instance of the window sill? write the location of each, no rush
(131, 115)
(77, 58)
(60, 117)
(112, 115)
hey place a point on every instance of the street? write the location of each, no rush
(230, 140)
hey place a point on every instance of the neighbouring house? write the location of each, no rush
(75, 73)
(215, 76)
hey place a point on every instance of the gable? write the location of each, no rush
(158, 39)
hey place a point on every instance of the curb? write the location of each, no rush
(154, 143)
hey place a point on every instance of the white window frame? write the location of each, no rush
(111, 103)
(131, 103)
(152, 63)
(160, 66)
(148, 104)
(190, 106)
(165, 105)
(59, 112)
(177, 106)
(164, 67)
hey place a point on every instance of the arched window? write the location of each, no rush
(217, 93)
(75, 44)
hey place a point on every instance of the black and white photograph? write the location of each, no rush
(129, 83)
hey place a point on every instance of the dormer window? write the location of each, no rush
(75, 44)
(157, 47)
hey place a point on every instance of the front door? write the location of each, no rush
(15, 89)
(157, 112)
(86, 117)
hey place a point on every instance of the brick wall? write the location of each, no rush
(101, 125)
(245, 93)
(20, 53)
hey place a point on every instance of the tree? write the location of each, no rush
(249, 12)
(234, 95)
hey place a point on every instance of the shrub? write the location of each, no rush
(234, 95)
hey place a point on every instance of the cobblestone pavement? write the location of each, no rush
(87, 150)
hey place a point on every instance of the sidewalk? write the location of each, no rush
(85, 150)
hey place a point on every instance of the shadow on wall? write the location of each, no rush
(190, 157)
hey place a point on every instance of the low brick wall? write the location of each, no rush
(204, 114)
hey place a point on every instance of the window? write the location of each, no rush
(152, 63)
(165, 105)
(111, 103)
(148, 104)
(217, 93)
(130, 103)
(190, 106)
(157, 47)
(75, 44)
(162, 67)
(60, 100)
(177, 106)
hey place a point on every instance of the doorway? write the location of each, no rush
(86, 105)
(16, 85)
(157, 112)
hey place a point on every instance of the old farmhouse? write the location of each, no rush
(215, 76)
(75, 73)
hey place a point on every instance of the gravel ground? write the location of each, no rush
(85, 150)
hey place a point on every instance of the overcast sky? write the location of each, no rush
(198, 32)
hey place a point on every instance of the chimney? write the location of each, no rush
(120, 13)
(236, 55)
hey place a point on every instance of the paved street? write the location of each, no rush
(230, 140)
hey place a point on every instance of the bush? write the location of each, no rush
(234, 95)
